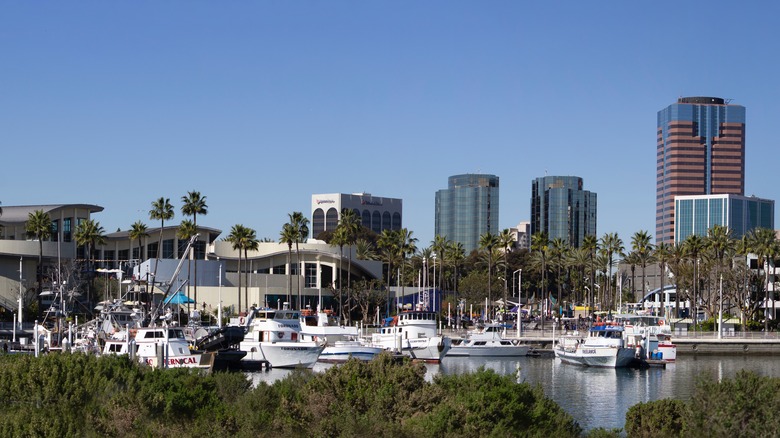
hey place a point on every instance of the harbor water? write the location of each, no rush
(596, 397)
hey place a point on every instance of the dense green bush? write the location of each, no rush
(657, 418)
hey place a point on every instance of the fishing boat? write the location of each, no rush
(650, 333)
(488, 341)
(603, 347)
(163, 347)
(413, 333)
(273, 338)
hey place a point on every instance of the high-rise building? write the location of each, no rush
(467, 208)
(697, 214)
(700, 151)
(375, 213)
(562, 209)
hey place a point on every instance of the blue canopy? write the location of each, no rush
(178, 298)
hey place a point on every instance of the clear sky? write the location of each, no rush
(258, 105)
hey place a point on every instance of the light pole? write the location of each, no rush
(433, 304)
(519, 300)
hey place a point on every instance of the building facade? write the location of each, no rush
(700, 151)
(562, 209)
(697, 214)
(467, 208)
(376, 213)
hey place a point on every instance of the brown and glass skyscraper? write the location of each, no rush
(701, 151)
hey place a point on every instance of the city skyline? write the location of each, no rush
(259, 106)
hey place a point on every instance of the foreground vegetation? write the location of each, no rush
(79, 395)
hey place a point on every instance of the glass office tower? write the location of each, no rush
(700, 151)
(562, 209)
(467, 208)
(697, 214)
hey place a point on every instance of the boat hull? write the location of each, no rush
(604, 357)
(343, 351)
(431, 349)
(488, 351)
(281, 354)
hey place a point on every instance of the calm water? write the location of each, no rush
(597, 397)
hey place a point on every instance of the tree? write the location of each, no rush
(137, 232)
(194, 204)
(591, 244)
(764, 245)
(240, 238)
(611, 244)
(89, 234)
(454, 254)
(693, 246)
(507, 240)
(38, 226)
(299, 226)
(288, 236)
(488, 241)
(438, 246)
(662, 254)
(559, 250)
(721, 244)
(162, 210)
(540, 246)
(250, 242)
(350, 224)
(340, 239)
(640, 243)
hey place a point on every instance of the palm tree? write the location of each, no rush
(540, 245)
(438, 246)
(559, 249)
(721, 244)
(89, 234)
(340, 239)
(288, 236)
(640, 243)
(662, 254)
(390, 248)
(138, 232)
(162, 210)
(194, 204)
(250, 242)
(454, 255)
(591, 244)
(350, 223)
(693, 246)
(407, 246)
(237, 238)
(764, 245)
(38, 226)
(632, 259)
(507, 240)
(300, 227)
(185, 232)
(365, 250)
(611, 244)
(488, 241)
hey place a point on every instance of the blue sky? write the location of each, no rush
(259, 105)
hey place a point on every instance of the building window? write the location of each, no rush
(67, 235)
(366, 219)
(55, 229)
(151, 249)
(311, 275)
(123, 255)
(167, 249)
(396, 221)
(317, 222)
(331, 219)
(279, 270)
(376, 222)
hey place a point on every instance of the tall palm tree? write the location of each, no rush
(89, 234)
(506, 240)
(365, 250)
(677, 259)
(194, 204)
(438, 246)
(488, 241)
(742, 248)
(559, 250)
(640, 243)
(662, 254)
(288, 236)
(540, 245)
(764, 245)
(722, 245)
(390, 248)
(350, 223)
(340, 239)
(632, 259)
(250, 243)
(693, 246)
(237, 239)
(300, 226)
(162, 210)
(137, 232)
(455, 254)
(38, 226)
(591, 244)
(611, 244)
(407, 246)
(185, 232)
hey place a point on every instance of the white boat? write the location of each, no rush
(341, 342)
(488, 341)
(652, 334)
(273, 337)
(603, 347)
(414, 334)
(165, 347)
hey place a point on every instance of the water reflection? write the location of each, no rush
(596, 397)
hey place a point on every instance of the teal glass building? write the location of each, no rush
(562, 209)
(467, 208)
(697, 214)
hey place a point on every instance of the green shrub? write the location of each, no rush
(655, 418)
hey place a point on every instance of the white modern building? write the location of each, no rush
(375, 212)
